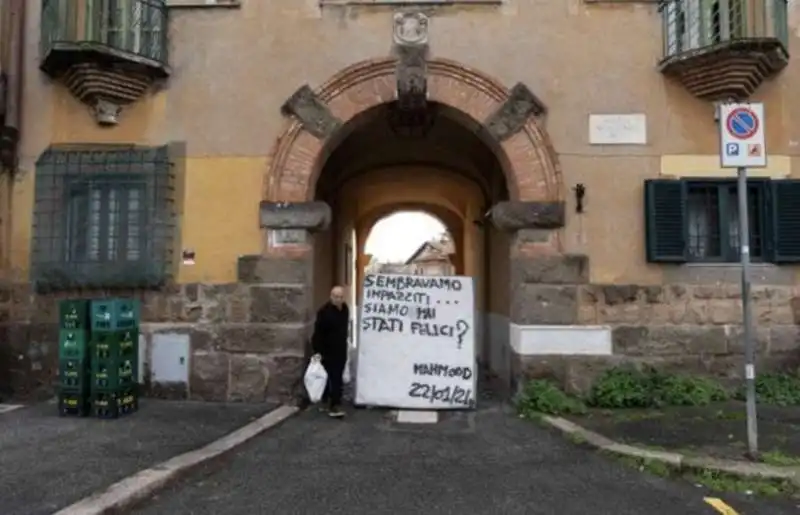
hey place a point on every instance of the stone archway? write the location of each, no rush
(523, 147)
(539, 283)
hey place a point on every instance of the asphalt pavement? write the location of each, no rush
(483, 462)
(48, 462)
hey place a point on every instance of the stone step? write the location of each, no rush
(416, 417)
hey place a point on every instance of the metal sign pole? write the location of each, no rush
(749, 344)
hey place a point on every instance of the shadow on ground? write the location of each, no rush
(718, 430)
(48, 462)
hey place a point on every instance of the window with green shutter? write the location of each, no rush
(694, 220)
(785, 214)
(665, 216)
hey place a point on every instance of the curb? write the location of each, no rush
(143, 484)
(673, 459)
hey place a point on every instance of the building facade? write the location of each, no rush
(432, 257)
(224, 161)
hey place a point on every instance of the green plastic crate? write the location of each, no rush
(73, 344)
(115, 344)
(74, 374)
(113, 404)
(73, 314)
(75, 403)
(113, 374)
(115, 314)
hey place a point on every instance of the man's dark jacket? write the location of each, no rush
(330, 332)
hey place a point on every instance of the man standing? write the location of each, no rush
(330, 343)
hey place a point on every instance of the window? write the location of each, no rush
(698, 220)
(692, 24)
(103, 218)
(132, 25)
(712, 216)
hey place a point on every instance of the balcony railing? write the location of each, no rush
(136, 28)
(696, 25)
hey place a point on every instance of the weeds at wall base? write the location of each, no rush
(627, 388)
(713, 480)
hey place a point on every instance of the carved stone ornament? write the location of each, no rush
(106, 112)
(410, 29)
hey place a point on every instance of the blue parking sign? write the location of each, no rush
(732, 149)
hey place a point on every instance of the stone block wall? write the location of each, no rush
(679, 327)
(246, 340)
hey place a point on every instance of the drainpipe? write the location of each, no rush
(14, 43)
(9, 134)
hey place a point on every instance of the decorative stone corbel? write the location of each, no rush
(106, 112)
(311, 216)
(518, 215)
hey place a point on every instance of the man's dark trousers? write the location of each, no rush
(334, 366)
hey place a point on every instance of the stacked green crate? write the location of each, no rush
(74, 358)
(115, 360)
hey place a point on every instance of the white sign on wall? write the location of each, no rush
(416, 342)
(741, 136)
(617, 129)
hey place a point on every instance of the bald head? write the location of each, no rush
(337, 296)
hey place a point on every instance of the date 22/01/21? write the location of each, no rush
(446, 394)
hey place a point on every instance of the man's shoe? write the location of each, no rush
(336, 413)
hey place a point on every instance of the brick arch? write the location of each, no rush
(530, 165)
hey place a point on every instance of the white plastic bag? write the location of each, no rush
(347, 375)
(315, 380)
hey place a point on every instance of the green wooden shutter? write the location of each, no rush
(665, 220)
(785, 230)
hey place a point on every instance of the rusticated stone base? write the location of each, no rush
(247, 341)
(686, 328)
(577, 374)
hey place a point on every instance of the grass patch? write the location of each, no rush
(628, 387)
(723, 482)
(713, 480)
(731, 415)
(543, 397)
(780, 459)
(775, 388)
(633, 416)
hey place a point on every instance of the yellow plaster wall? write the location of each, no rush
(217, 202)
(217, 214)
(220, 215)
(615, 200)
(698, 165)
(21, 225)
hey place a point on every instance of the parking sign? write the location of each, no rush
(742, 139)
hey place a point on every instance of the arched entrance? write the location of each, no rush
(479, 160)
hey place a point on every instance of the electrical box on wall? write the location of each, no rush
(169, 358)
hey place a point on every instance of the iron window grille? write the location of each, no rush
(103, 218)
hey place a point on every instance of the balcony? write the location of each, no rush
(724, 49)
(107, 52)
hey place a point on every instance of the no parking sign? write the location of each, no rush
(742, 140)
